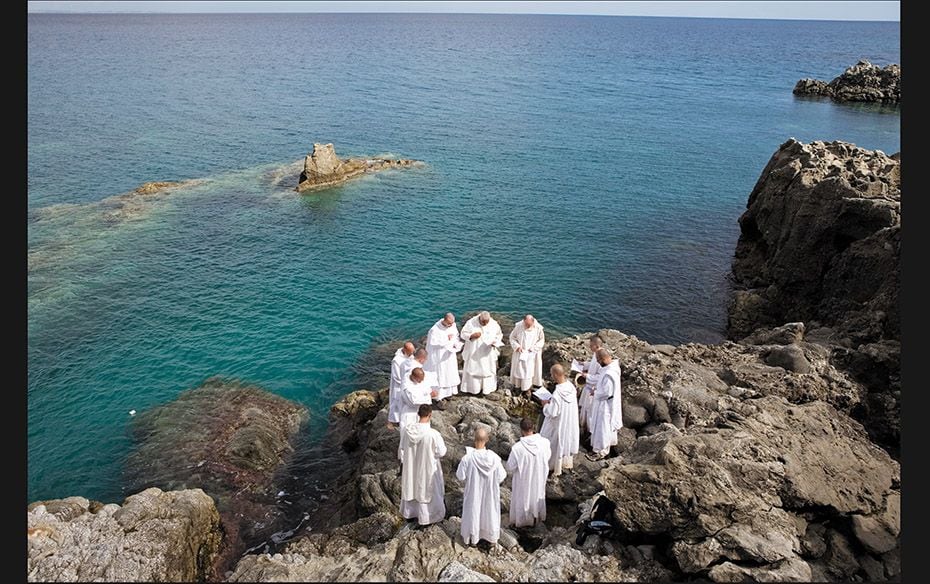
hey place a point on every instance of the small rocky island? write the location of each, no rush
(861, 82)
(768, 457)
(322, 168)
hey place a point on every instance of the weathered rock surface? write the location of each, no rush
(322, 168)
(861, 82)
(734, 468)
(229, 439)
(820, 244)
(154, 536)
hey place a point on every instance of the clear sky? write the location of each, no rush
(808, 10)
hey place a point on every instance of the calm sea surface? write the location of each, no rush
(589, 170)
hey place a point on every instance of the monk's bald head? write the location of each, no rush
(529, 320)
(409, 348)
(603, 356)
(484, 317)
(481, 437)
(421, 355)
(557, 372)
(448, 319)
(417, 375)
(596, 342)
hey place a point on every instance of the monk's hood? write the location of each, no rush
(565, 391)
(416, 432)
(484, 459)
(531, 443)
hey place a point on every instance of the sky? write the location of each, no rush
(805, 10)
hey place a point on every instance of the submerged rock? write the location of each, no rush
(322, 168)
(154, 536)
(861, 82)
(229, 439)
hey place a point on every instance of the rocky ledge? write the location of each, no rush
(820, 243)
(154, 537)
(737, 462)
(861, 82)
(322, 168)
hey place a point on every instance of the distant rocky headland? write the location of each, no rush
(322, 168)
(768, 457)
(861, 82)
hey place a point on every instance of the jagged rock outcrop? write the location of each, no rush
(861, 82)
(820, 243)
(228, 438)
(733, 469)
(322, 168)
(154, 536)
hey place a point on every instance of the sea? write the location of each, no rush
(589, 170)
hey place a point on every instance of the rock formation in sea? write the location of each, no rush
(322, 168)
(230, 439)
(820, 243)
(154, 536)
(861, 82)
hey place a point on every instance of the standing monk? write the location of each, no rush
(482, 471)
(591, 370)
(527, 340)
(606, 414)
(482, 336)
(423, 490)
(416, 392)
(443, 345)
(529, 464)
(401, 357)
(561, 423)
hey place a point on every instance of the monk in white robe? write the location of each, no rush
(482, 335)
(527, 340)
(561, 424)
(419, 360)
(483, 472)
(443, 345)
(606, 413)
(401, 357)
(591, 370)
(416, 392)
(423, 489)
(529, 464)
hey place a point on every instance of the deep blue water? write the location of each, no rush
(589, 170)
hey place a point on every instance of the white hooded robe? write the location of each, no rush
(527, 372)
(442, 345)
(422, 486)
(529, 464)
(561, 426)
(479, 357)
(606, 414)
(592, 370)
(483, 472)
(398, 368)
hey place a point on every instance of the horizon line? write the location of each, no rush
(249, 12)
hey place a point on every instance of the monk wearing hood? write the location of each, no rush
(482, 472)
(422, 487)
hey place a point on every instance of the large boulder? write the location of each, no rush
(820, 243)
(155, 536)
(230, 439)
(861, 82)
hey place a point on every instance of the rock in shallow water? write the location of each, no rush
(861, 82)
(322, 168)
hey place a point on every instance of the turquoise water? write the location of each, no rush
(587, 169)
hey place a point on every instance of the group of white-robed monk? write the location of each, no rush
(419, 376)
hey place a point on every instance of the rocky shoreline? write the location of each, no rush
(862, 82)
(323, 169)
(769, 457)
